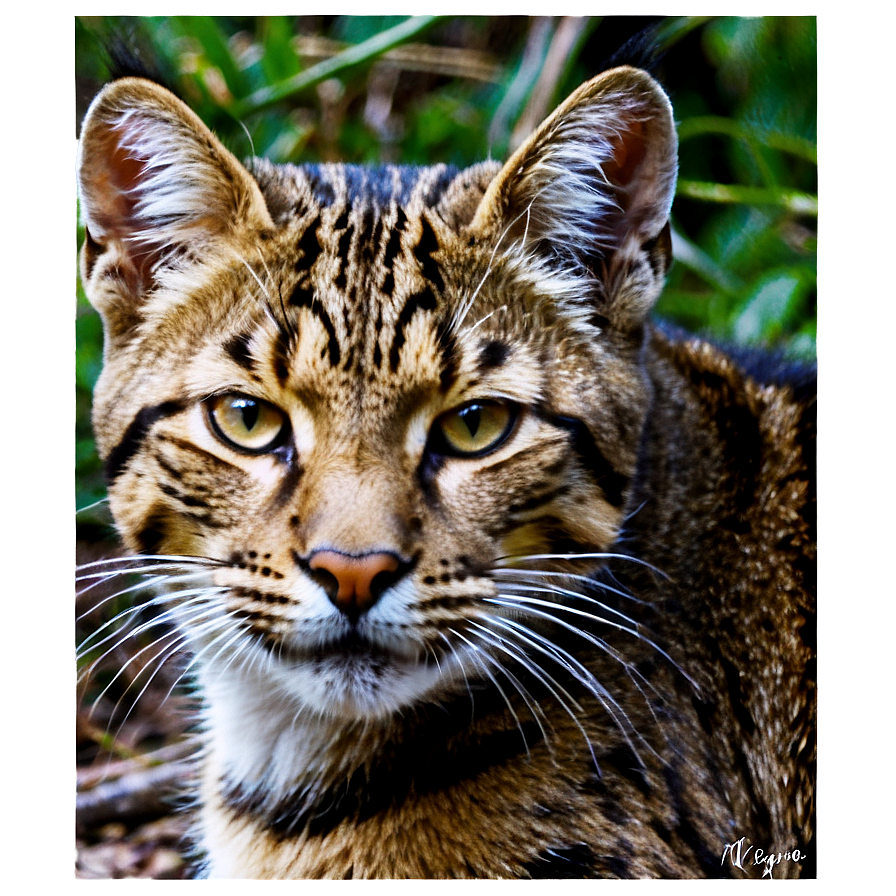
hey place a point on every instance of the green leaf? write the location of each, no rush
(340, 65)
(214, 44)
(772, 306)
(695, 259)
(749, 133)
(793, 200)
(279, 60)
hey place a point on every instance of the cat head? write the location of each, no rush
(368, 398)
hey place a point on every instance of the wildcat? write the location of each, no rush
(483, 573)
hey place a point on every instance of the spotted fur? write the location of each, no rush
(590, 648)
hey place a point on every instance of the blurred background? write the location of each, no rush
(456, 90)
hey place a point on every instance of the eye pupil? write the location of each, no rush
(249, 411)
(472, 417)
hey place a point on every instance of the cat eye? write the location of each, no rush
(475, 428)
(247, 424)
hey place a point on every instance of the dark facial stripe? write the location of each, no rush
(153, 531)
(421, 301)
(493, 354)
(423, 253)
(119, 457)
(309, 245)
(282, 355)
(393, 247)
(303, 298)
(294, 472)
(345, 242)
(450, 356)
(238, 349)
(370, 791)
(613, 484)
(206, 456)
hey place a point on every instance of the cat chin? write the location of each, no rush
(358, 688)
(340, 688)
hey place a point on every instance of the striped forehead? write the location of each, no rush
(360, 289)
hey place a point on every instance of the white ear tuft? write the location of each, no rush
(154, 179)
(592, 189)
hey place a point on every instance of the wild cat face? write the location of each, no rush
(357, 404)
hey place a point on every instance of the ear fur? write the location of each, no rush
(591, 190)
(155, 185)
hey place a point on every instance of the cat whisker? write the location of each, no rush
(237, 633)
(194, 612)
(95, 504)
(196, 595)
(600, 692)
(501, 573)
(516, 600)
(527, 663)
(149, 584)
(528, 588)
(462, 666)
(464, 307)
(487, 638)
(210, 562)
(598, 555)
(255, 276)
(482, 320)
(477, 652)
(541, 674)
(581, 673)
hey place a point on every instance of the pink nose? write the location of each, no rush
(354, 591)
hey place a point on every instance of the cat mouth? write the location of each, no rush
(352, 647)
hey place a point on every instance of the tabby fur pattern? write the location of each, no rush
(482, 572)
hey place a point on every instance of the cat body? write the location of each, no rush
(483, 573)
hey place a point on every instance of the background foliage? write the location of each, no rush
(459, 89)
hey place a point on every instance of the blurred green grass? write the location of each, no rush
(459, 89)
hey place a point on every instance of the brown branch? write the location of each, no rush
(144, 794)
(544, 92)
(100, 772)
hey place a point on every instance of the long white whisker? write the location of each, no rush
(551, 604)
(475, 657)
(556, 589)
(195, 594)
(580, 672)
(143, 558)
(124, 634)
(257, 279)
(501, 573)
(531, 704)
(147, 584)
(461, 665)
(597, 555)
(600, 692)
(219, 620)
(549, 682)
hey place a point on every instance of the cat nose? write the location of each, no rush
(355, 583)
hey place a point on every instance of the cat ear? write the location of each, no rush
(156, 188)
(589, 193)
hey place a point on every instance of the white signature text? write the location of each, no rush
(739, 854)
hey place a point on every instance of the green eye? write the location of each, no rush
(475, 428)
(247, 423)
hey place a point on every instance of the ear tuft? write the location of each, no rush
(591, 190)
(153, 179)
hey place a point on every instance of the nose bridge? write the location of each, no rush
(356, 509)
